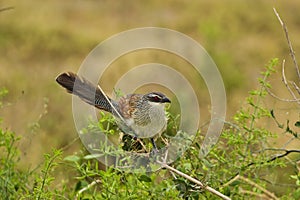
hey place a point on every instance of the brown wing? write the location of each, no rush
(132, 106)
(127, 105)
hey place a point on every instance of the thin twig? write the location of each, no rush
(266, 192)
(286, 152)
(112, 106)
(69, 144)
(288, 142)
(279, 98)
(258, 196)
(289, 42)
(296, 87)
(141, 143)
(231, 180)
(6, 8)
(286, 83)
(97, 181)
(275, 157)
(205, 187)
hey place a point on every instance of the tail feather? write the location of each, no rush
(85, 90)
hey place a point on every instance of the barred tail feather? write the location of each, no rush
(85, 90)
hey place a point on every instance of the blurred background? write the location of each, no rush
(40, 39)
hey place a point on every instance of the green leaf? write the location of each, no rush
(187, 166)
(92, 156)
(145, 178)
(294, 177)
(297, 124)
(207, 163)
(72, 158)
(3, 92)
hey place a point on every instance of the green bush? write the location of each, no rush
(238, 165)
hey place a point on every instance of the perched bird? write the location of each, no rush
(140, 115)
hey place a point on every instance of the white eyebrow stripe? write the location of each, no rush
(154, 95)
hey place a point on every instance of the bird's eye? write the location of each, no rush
(155, 98)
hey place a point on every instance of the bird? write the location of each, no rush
(140, 115)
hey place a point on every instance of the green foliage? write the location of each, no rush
(11, 180)
(237, 166)
(15, 183)
(3, 92)
(43, 180)
(232, 38)
(115, 184)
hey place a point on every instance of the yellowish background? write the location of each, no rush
(40, 39)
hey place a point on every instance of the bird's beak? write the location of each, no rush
(166, 100)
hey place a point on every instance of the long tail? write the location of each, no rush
(85, 90)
